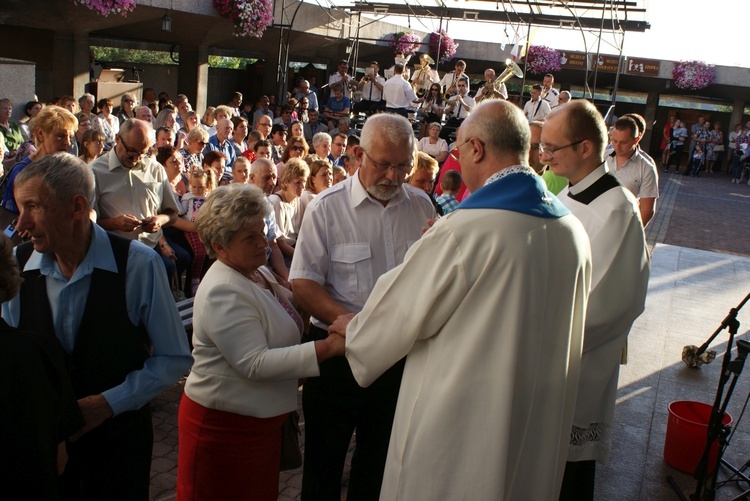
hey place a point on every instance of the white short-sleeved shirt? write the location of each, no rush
(348, 239)
(432, 149)
(638, 175)
(142, 191)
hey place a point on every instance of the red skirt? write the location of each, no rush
(223, 455)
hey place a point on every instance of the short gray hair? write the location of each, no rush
(319, 138)
(227, 210)
(64, 175)
(395, 129)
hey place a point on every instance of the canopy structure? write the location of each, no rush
(606, 20)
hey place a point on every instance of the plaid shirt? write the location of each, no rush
(447, 202)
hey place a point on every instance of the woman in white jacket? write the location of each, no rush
(248, 359)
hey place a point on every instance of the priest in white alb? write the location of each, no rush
(488, 306)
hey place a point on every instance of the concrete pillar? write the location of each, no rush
(737, 109)
(193, 74)
(270, 74)
(63, 64)
(81, 63)
(652, 105)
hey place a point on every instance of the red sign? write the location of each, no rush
(638, 66)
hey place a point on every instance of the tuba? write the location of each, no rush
(511, 70)
(425, 60)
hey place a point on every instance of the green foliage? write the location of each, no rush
(112, 54)
(232, 63)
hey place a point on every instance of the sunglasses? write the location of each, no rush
(128, 101)
(298, 148)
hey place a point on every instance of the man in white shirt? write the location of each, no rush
(551, 95)
(351, 234)
(398, 94)
(487, 91)
(609, 213)
(449, 82)
(341, 76)
(371, 87)
(304, 91)
(507, 374)
(635, 170)
(424, 77)
(458, 108)
(536, 108)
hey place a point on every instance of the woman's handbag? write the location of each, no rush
(291, 458)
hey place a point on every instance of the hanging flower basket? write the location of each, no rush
(441, 40)
(541, 60)
(107, 7)
(405, 42)
(250, 17)
(693, 75)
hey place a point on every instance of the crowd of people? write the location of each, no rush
(316, 255)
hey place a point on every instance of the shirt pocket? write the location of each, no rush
(351, 268)
(153, 197)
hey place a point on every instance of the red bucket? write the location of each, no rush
(687, 429)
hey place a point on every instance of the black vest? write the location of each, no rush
(108, 346)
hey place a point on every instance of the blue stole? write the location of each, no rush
(517, 192)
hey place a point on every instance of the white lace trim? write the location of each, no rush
(516, 169)
(589, 443)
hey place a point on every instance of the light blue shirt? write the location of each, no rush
(149, 301)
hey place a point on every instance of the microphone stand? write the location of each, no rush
(694, 356)
(716, 429)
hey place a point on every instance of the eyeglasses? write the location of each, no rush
(264, 125)
(455, 152)
(130, 152)
(550, 152)
(298, 148)
(287, 113)
(402, 168)
(128, 101)
(202, 143)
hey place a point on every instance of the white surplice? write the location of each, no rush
(618, 296)
(489, 307)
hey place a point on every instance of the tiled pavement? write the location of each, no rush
(700, 269)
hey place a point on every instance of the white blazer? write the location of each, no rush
(246, 347)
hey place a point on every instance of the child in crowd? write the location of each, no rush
(339, 173)
(450, 184)
(696, 162)
(93, 145)
(201, 183)
(241, 170)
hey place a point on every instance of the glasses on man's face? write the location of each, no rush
(549, 151)
(132, 153)
(287, 113)
(128, 101)
(455, 153)
(383, 167)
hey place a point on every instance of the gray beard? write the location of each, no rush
(383, 192)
